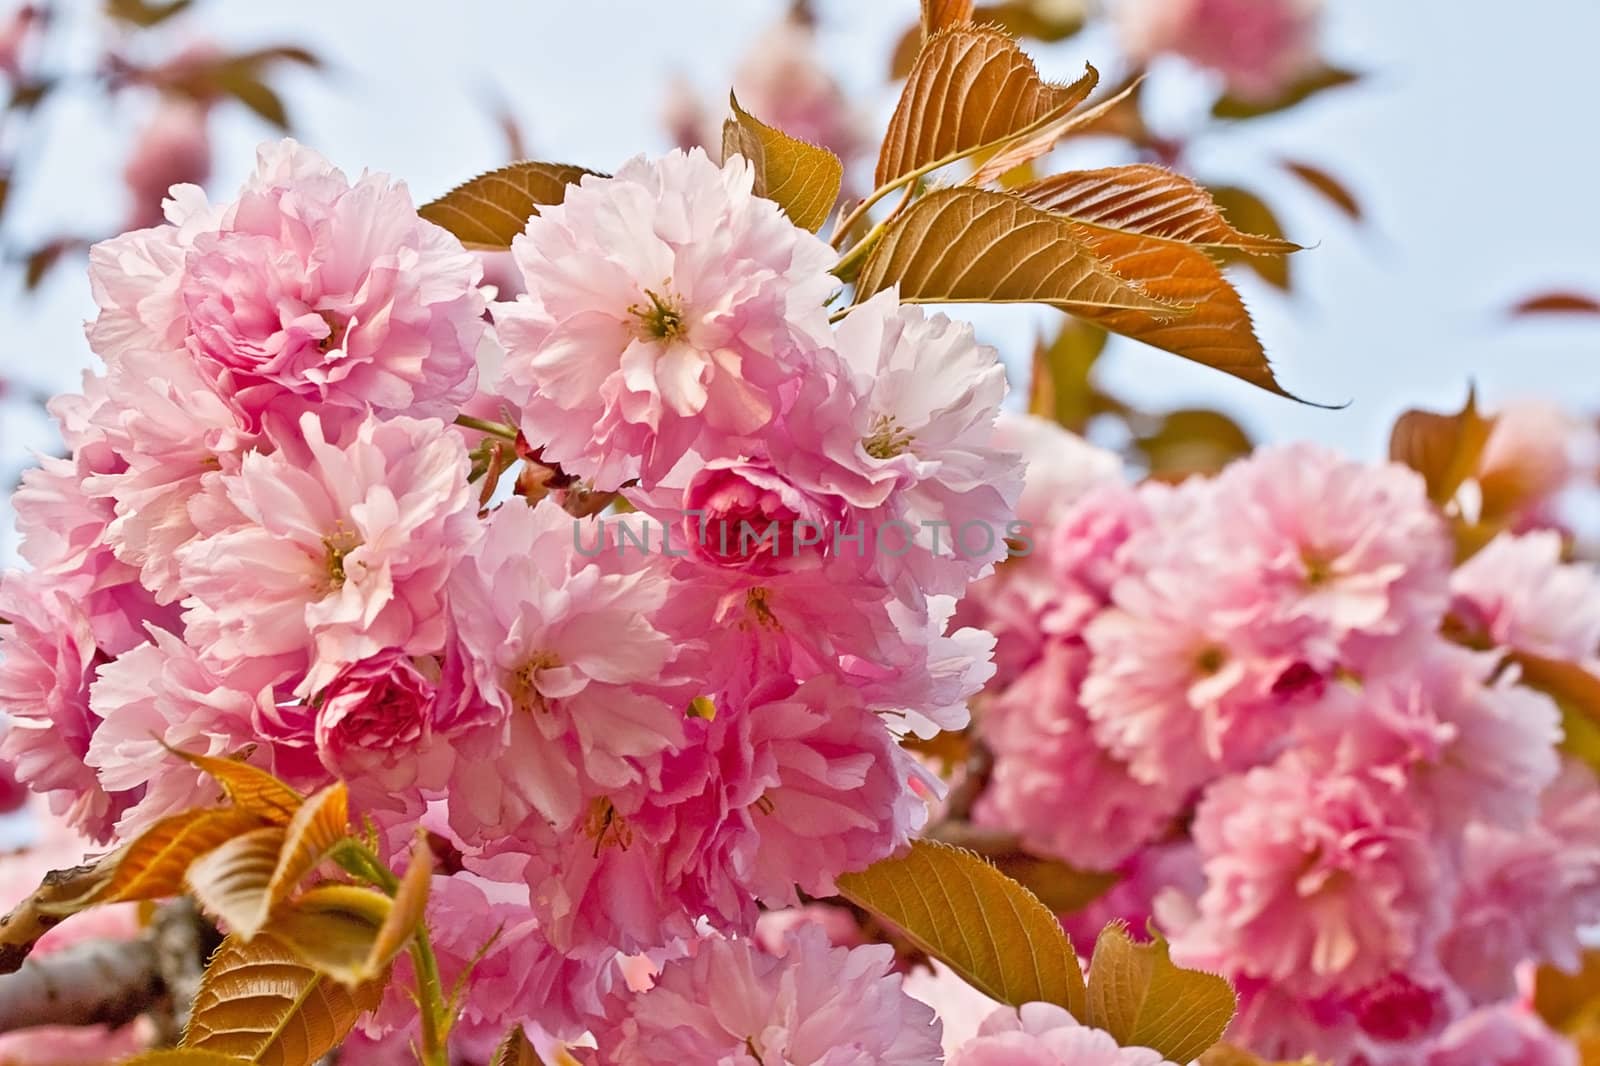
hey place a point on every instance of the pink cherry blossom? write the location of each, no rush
(666, 306)
(1043, 1034)
(784, 82)
(1530, 456)
(1521, 595)
(375, 726)
(789, 791)
(732, 1004)
(745, 514)
(1343, 552)
(1258, 46)
(1526, 892)
(171, 431)
(1505, 1035)
(48, 656)
(1318, 881)
(316, 557)
(307, 292)
(1053, 784)
(172, 149)
(162, 694)
(564, 649)
(906, 437)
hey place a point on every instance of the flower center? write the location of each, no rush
(606, 827)
(755, 601)
(523, 683)
(1210, 660)
(338, 545)
(1318, 571)
(335, 337)
(887, 440)
(661, 319)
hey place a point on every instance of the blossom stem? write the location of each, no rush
(435, 1014)
(483, 425)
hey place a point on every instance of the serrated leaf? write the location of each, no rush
(1444, 449)
(261, 1003)
(1062, 888)
(1148, 200)
(985, 926)
(983, 246)
(232, 882)
(1309, 84)
(1142, 999)
(1015, 153)
(1328, 187)
(969, 87)
(153, 864)
(1215, 330)
(491, 209)
(334, 929)
(249, 787)
(320, 823)
(1251, 214)
(182, 1056)
(943, 14)
(801, 178)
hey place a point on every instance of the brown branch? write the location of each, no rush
(57, 897)
(101, 982)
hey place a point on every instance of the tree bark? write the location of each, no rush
(102, 982)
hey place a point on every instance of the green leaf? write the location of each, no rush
(801, 178)
(1062, 888)
(491, 209)
(1061, 387)
(1310, 84)
(1138, 996)
(990, 930)
(1193, 441)
(334, 929)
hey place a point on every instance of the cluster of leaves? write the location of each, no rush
(1066, 383)
(308, 948)
(1135, 250)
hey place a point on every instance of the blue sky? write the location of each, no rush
(1472, 145)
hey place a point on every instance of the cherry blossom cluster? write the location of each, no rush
(266, 541)
(1304, 735)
